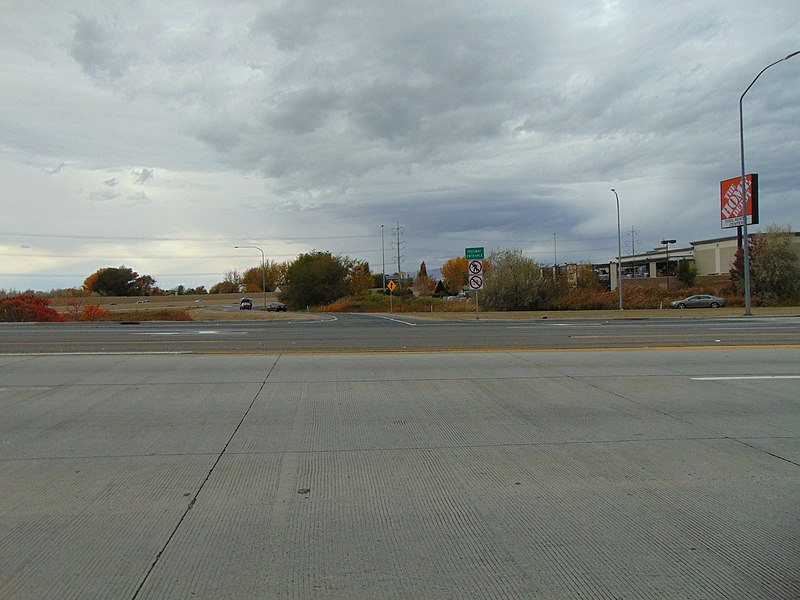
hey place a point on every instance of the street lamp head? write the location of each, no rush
(668, 241)
(788, 56)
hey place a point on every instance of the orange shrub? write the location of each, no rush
(93, 312)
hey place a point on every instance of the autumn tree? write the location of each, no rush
(119, 281)
(252, 279)
(455, 274)
(423, 284)
(586, 278)
(230, 284)
(361, 279)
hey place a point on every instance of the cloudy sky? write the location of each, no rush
(161, 134)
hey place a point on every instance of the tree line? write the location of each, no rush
(512, 280)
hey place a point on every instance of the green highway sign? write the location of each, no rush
(473, 253)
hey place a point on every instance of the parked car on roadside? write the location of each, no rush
(245, 304)
(700, 301)
(276, 307)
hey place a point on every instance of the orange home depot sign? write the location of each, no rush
(730, 198)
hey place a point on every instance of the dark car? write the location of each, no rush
(276, 307)
(245, 304)
(700, 301)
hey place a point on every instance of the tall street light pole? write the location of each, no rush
(383, 257)
(745, 242)
(619, 252)
(667, 243)
(263, 272)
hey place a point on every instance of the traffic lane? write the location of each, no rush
(351, 465)
(358, 332)
(412, 332)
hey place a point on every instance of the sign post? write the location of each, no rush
(475, 272)
(392, 287)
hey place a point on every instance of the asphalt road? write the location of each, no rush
(370, 333)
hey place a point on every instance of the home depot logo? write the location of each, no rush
(730, 193)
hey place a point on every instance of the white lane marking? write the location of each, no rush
(395, 320)
(201, 332)
(27, 389)
(738, 377)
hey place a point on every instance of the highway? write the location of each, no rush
(381, 333)
(366, 457)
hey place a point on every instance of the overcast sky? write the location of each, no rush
(160, 134)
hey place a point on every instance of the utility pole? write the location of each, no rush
(632, 233)
(398, 230)
(383, 257)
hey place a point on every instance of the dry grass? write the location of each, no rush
(205, 314)
(650, 313)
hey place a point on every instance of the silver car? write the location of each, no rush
(700, 301)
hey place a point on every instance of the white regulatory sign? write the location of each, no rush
(476, 282)
(475, 267)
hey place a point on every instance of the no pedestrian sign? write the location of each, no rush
(475, 267)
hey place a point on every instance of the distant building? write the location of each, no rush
(712, 257)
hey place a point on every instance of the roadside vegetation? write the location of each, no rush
(322, 281)
(36, 309)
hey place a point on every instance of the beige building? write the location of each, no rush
(715, 257)
(712, 257)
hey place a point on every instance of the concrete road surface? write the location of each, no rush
(573, 474)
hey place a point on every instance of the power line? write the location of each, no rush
(177, 239)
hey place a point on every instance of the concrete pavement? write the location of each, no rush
(503, 475)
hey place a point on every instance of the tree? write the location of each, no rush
(145, 285)
(455, 273)
(687, 272)
(315, 279)
(361, 279)
(230, 284)
(119, 281)
(775, 264)
(423, 285)
(515, 282)
(586, 278)
(273, 274)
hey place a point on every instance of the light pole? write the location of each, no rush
(619, 252)
(263, 272)
(667, 243)
(745, 242)
(555, 257)
(383, 257)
